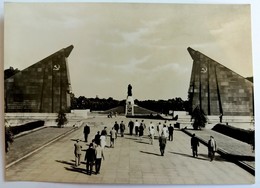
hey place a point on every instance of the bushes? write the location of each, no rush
(199, 117)
(247, 136)
(61, 119)
(26, 127)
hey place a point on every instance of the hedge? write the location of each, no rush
(26, 127)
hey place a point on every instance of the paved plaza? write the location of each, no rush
(132, 161)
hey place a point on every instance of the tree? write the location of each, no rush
(199, 117)
(9, 138)
(61, 119)
(10, 72)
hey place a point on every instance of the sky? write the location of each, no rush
(116, 44)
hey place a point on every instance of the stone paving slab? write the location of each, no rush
(132, 161)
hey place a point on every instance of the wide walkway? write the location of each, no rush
(132, 161)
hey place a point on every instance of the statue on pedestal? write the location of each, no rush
(129, 101)
(129, 90)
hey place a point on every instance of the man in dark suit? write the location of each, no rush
(90, 158)
(131, 127)
(162, 143)
(170, 130)
(116, 127)
(194, 145)
(86, 132)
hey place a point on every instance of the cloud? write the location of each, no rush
(117, 44)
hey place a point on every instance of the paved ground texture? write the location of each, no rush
(132, 161)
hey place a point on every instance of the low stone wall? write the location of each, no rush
(14, 119)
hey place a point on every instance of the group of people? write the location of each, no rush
(212, 147)
(139, 128)
(95, 152)
(163, 131)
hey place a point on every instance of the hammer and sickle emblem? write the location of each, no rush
(56, 67)
(204, 69)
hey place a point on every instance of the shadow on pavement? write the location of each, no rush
(131, 138)
(65, 162)
(73, 168)
(76, 169)
(190, 156)
(75, 139)
(217, 158)
(156, 154)
(142, 142)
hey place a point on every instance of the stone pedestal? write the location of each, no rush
(129, 107)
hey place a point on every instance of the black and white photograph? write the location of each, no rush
(128, 93)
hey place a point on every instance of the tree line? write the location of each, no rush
(159, 106)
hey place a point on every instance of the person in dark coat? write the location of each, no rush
(170, 130)
(194, 145)
(220, 118)
(162, 143)
(141, 131)
(86, 132)
(97, 138)
(104, 131)
(116, 127)
(131, 127)
(90, 158)
(136, 126)
(122, 128)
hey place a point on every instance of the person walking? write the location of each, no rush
(159, 129)
(136, 126)
(152, 132)
(116, 127)
(86, 132)
(103, 140)
(131, 127)
(162, 143)
(112, 137)
(90, 158)
(99, 157)
(122, 128)
(194, 142)
(142, 122)
(165, 130)
(141, 131)
(97, 138)
(77, 152)
(104, 131)
(170, 130)
(220, 118)
(212, 148)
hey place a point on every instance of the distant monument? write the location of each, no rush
(129, 108)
